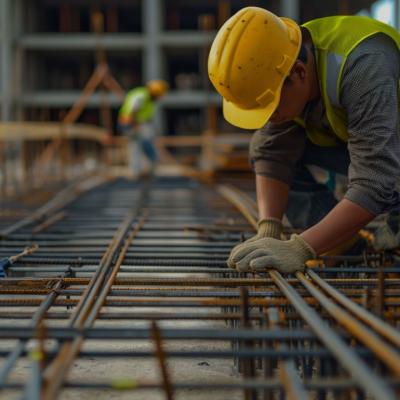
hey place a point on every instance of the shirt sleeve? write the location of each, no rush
(369, 94)
(275, 150)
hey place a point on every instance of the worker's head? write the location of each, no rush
(254, 65)
(157, 88)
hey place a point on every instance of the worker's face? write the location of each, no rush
(294, 95)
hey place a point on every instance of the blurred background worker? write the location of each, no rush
(324, 94)
(135, 120)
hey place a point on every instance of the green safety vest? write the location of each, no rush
(334, 38)
(146, 111)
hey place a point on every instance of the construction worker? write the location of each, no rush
(326, 94)
(135, 119)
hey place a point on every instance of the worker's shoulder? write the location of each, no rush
(374, 53)
(372, 61)
(140, 91)
(341, 22)
(377, 44)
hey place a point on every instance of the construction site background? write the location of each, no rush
(71, 62)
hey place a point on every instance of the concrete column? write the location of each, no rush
(19, 56)
(6, 59)
(152, 14)
(152, 21)
(290, 9)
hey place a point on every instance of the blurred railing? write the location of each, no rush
(213, 152)
(34, 154)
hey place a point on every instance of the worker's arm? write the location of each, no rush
(343, 222)
(272, 197)
(274, 151)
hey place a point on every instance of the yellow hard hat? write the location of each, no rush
(249, 60)
(157, 87)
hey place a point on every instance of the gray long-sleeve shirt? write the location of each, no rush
(369, 95)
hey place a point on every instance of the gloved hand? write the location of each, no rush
(286, 256)
(388, 235)
(268, 227)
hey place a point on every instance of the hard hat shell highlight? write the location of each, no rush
(157, 87)
(249, 60)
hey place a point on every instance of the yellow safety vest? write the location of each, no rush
(146, 111)
(334, 38)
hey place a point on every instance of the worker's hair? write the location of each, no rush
(306, 38)
(303, 56)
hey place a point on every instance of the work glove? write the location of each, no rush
(286, 256)
(267, 227)
(388, 235)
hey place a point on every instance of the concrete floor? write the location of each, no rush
(181, 370)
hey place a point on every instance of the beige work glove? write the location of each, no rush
(286, 256)
(267, 227)
(387, 236)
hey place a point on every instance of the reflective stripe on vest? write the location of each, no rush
(334, 38)
(333, 67)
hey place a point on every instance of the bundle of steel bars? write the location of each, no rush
(128, 294)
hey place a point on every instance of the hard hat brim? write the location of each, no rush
(254, 118)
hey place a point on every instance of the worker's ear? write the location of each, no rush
(298, 72)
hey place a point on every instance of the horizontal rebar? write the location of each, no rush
(103, 272)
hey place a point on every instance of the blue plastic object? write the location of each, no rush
(4, 265)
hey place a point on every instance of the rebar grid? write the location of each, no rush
(132, 276)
